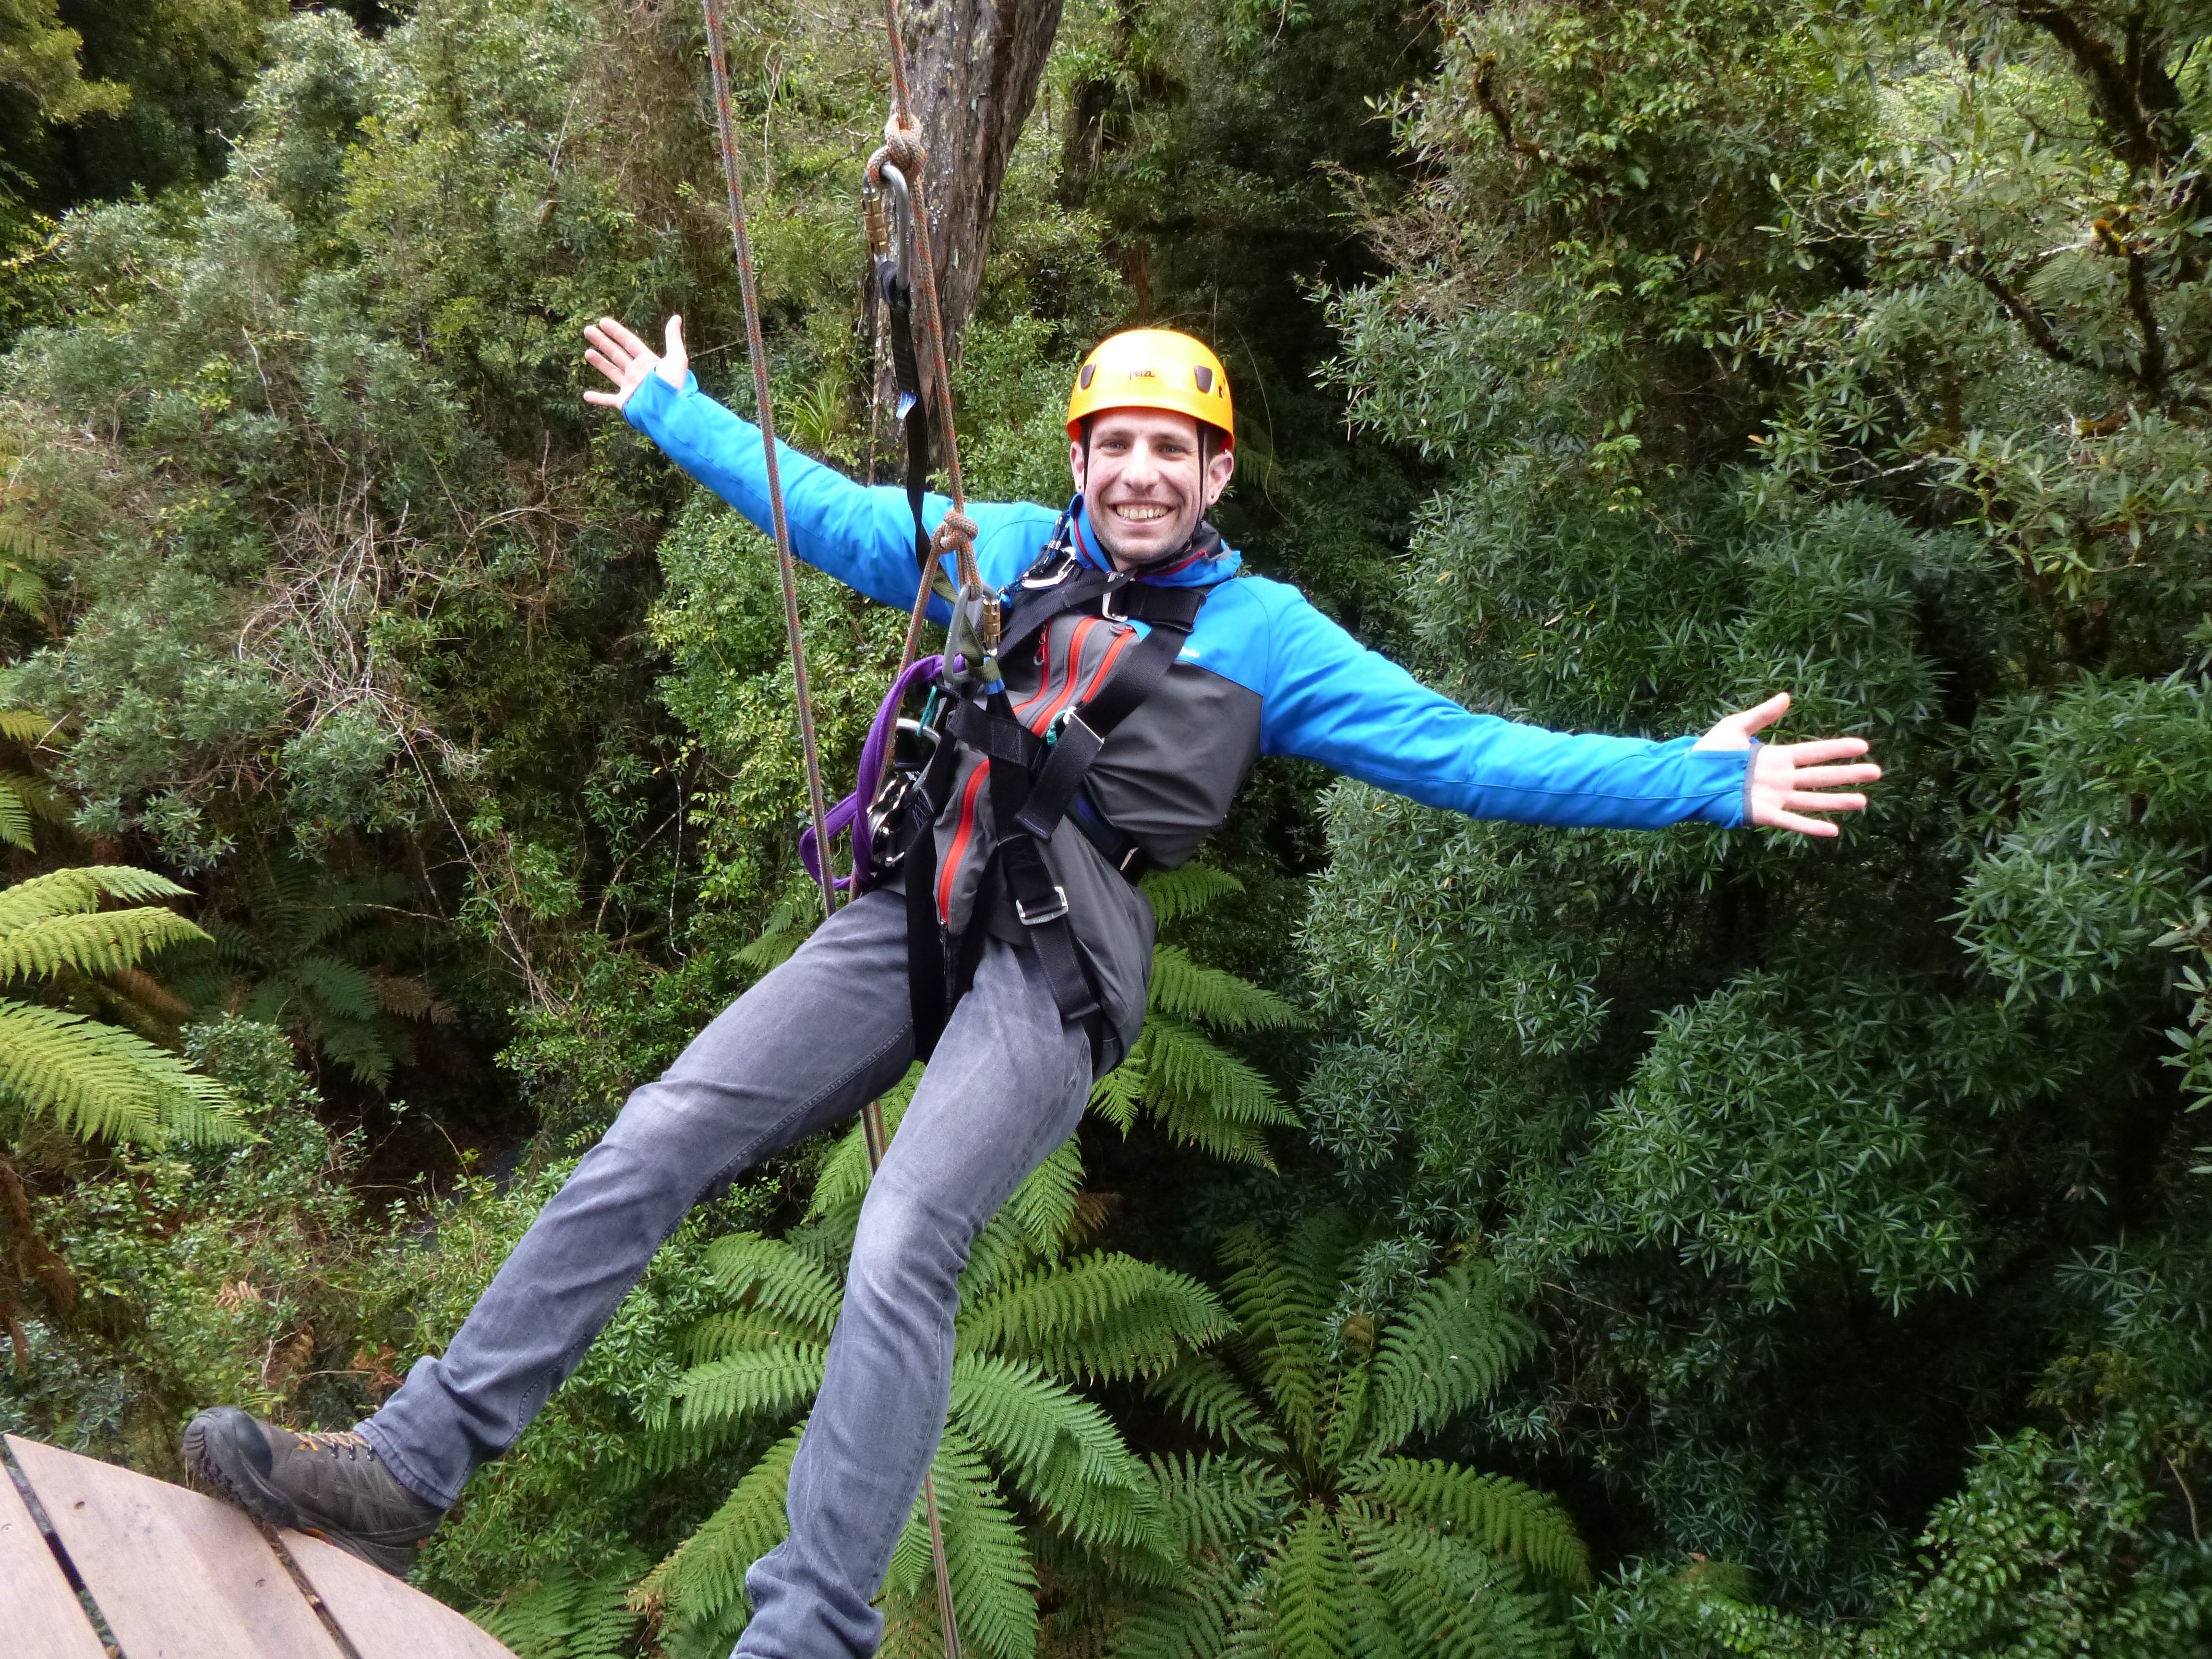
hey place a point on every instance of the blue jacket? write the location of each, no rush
(1263, 672)
(1323, 695)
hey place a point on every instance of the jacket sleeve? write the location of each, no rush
(1330, 699)
(863, 536)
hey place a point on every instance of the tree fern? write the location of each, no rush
(1451, 1348)
(1313, 1535)
(1022, 1447)
(1203, 1095)
(566, 1617)
(94, 1080)
(701, 1586)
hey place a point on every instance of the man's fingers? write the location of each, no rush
(1803, 826)
(674, 334)
(1818, 750)
(615, 372)
(1764, 714)
(1807, 801)
(604, 399)
(623, 335)
(1828, 777)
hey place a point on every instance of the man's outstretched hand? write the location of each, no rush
(1791, 779)
(626, 360)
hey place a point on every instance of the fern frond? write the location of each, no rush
(1214, 996)
(103, 1083)
(702, 1584)
(64, 892)
(1116, 1095)
(14, 817)
(719, 1335)
(1281, 1295)
(568, 1616)
(22, 726)
(1185, 892)
(1209, 1398)
(1196, 1124)
(1022, 1416)
(993, 1584)
(766, 1272)
(1451, 1346)
(1310, 1589)
(357, 1045)
(340, 990)
(1043, 1206)
(764, 1383)
(1099, 1317)
(1208, 1503)
(1493, 1512)
(103, 943)
(1447, 1598)
(842, 1182)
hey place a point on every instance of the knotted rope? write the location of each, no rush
(902, 148)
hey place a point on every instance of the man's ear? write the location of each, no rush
(1075, 466)
(1220, 469)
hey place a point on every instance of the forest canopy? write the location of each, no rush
(1821, 1232)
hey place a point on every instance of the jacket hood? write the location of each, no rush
(1206, 558)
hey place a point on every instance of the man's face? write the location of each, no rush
(1142, 484)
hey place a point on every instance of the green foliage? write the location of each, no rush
(1854, 354)
(1203, 1095)
(1040, 1316)
(95, 1080)
(1315, 1534)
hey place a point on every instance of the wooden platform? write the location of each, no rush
(172, 1574)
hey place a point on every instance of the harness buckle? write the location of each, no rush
(1106, 604)
(1037, 918)
(1070, 715)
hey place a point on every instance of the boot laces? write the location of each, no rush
(336, 1443)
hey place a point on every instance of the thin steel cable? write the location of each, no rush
(749, 291)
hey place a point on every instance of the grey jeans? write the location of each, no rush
(809, 1045)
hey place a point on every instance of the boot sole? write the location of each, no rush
(216, 1455)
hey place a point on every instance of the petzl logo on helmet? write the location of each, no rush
(1153, 369)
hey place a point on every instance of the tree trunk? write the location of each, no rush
(974, 67)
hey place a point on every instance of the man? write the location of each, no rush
(1128, 647)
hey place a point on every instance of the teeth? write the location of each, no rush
(1142, 515)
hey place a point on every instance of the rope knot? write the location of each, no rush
(957, 532)
(903, 147)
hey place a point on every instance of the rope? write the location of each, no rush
(904, 149)
(748, 290)
(957, 531)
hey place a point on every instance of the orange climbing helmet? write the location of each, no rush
(1153, 369)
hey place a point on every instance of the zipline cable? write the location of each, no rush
(748, 289)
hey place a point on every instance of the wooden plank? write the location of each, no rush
(380, 1615)
(38, 1611)
(177, 1575)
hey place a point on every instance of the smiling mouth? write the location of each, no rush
(1140, 513)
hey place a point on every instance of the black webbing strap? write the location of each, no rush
(906, 377)
(1040, 903)
(927, 963)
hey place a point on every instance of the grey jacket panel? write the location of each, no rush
(1166, 776)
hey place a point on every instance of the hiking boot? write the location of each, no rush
(331, 1486)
